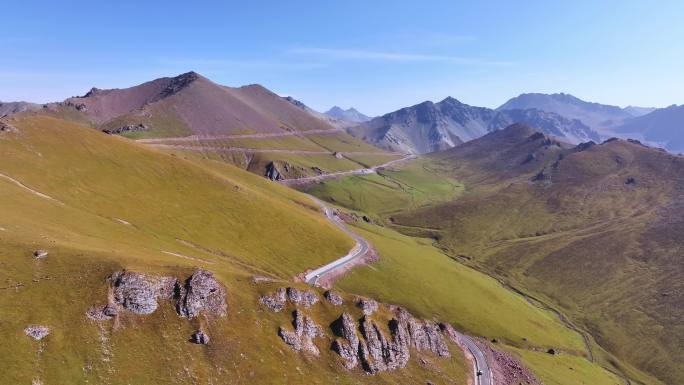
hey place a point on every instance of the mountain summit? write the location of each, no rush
(190, 104)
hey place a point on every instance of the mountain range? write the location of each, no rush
(142, 248)
(429, 127)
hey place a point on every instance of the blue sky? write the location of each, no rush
(375, 55)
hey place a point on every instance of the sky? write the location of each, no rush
(377, 56)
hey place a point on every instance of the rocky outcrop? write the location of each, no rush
(333, 297)
(305, 298)
(201, 293)
(200, 337)
(375, 352)
(369, 306)
(37, 332)
(305, 330)
(275, 301)
(139, 293)
(347, 346)
(126, 128)
(272, 172)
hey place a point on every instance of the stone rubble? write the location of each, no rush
(37, 332)
(305, 330)
(276, 301)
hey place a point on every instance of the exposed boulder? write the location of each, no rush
(333, 297)
(369, 306)
(39, 254)
(139, 293)
(200, 337)
(272, 172)
(305, 330)
(275, 301)
(37, 332)
(201, 293)
(306, 298)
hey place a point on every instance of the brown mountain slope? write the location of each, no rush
(595, 229)
(192, 104)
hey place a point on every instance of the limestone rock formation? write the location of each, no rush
(333, 297)
(348, 345)
(305, 330)
(139, 293)
(201, 293)
(375, 351)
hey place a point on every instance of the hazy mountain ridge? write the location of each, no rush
(351, 114)
(664, 126)
(599, 117)
(8, 108)
(429, 127)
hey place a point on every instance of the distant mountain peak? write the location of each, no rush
(351, 114)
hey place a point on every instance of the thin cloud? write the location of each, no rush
(353, 54)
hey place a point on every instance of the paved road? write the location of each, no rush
(193, 138)
(360, 171)
(481, 364)
(360, 249)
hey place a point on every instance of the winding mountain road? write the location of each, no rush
(482, 372)
(359, 171)
(481, 366)
(358, 251)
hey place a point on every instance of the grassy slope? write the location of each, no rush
(413, 272)
(392, 190)
(100, 178)
(587, 243)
